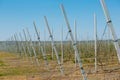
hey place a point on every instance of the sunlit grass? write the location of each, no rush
(11, 67)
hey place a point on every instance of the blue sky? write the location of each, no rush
(15, 15)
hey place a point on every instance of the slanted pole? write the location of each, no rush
(28, 47)
(62, 52)
(10, 47)
(74, 44)
(15, 46)
(41, 47)
(22, 44)
(18, 45)
(75, 35)
(52, 47)
(95, 38)
(44, 41)
(53, 44)
(110, 25)
(31, 43)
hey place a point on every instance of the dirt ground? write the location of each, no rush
(13, 67)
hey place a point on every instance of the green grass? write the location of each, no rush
(8, 68)
(2, 63)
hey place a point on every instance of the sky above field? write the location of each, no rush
(16, 15)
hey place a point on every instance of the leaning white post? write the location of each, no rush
(110, 25)
(62, 53)
(74, 44)
(35, 54)
(75, 36)
(41, 47)
(95, 38)
(53, 44)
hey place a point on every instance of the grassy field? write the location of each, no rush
(12, 67)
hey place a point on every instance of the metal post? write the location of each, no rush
(22, 44)
(18, 45)
(95, 38)
(13, 47)
(44, 41)
(52, 47)
(41, 47)
(110, 25)
(27, 46)
(37, 60)
(75, 35)
(74, 44)
(62, 53)
(53, 44)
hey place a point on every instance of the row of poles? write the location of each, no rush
(28, 44)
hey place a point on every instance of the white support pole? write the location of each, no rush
(45, 41)
(11, 47)
(62, 53)
(87, 43)
(35, 54)
(28, 46)
(75, 36)
(110, 25)
(22, 44)
(19, 47)
(95, 38)
(54, 47)
(16, 44)
(74, 44)
(41, 47)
